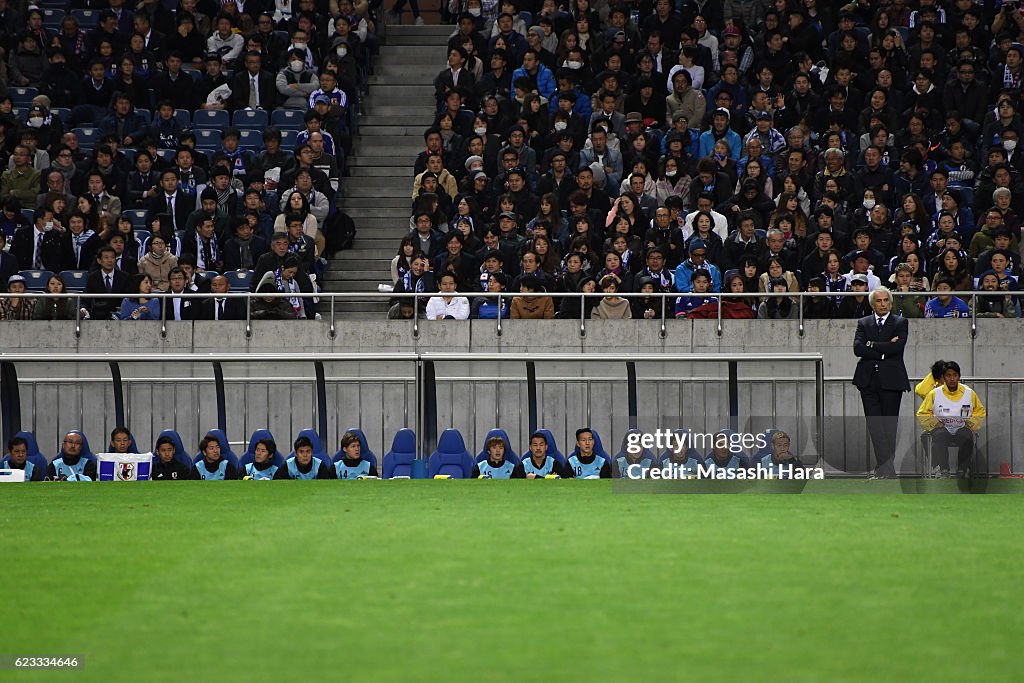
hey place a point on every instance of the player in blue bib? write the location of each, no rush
(585, 462)
(17, 459)
(539, 464)
(781, 456)
(303, 465)
(212, 465)
(352, 464)
(165, 466)
(262, 465)
(495, 466)
(71, 464)
(721, 456)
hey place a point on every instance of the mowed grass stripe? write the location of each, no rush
(478, 581)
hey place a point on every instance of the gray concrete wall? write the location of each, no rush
(477, 396)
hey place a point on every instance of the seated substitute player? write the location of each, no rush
(212, 465)
(685, 457)
(633, 456)
(303, 465)
(262, 465)
(352, 465)
(17, 459)
(495, 466)
(721, 456)
(70, 464)
(953, 414)
(539, 464)
(780, 455)
(165, 466)
(585, 462)
(120, 440)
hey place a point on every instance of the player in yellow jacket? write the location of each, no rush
(953, 414)
(932, 380)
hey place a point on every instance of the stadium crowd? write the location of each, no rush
(175, 146)
(74, 461)
(700, 147)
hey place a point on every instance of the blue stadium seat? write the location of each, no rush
(35, 280)
(451, 457)
(35, 456)
(87, 18)
(87, 137)
(167, 155)
(184, 117)
(225, 448)
(288, 139)
(137, 216)
(318, 445)
(250, 119)
(398, 461)
(29, 214)
(622, 447)
(510, 453)
(75, 279)
(207, 138)
(239, 279)
(364, 448)
(22, 96)
(247, 457)
(690, 451)
(759, 453)
(288, 119)
(215, 119)
(250, 139)
(180, 454)
(129, 154)
(63, 113)
(52, 17)
(146, 113)
(552, 446)
(598, 446)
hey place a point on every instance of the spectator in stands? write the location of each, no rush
(165, 466)
(158, 263)
(22, 180)
(212, 466)
(945, 305)
(16, 308)
(204, 244)
(538, 464)
(303, 464)
(174, 84)
(856, 306)
(446, 306)
(70, 464)
(44, 246)
(252, 88)
(107, 203)
(536, 307)
(243, 250)
(296, 82)
(56, 308)
(28, 63)
(817, 307)
(141, 307)
(219, 307)
(611, 306)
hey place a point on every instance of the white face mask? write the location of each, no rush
(35, 121)
(480, 131)
(869, 204)
(342, 51)
(48, 227)
(561, 125)
(299, 46)
(574, 65)
(296, 65)
(1009, 145)
(474, 11)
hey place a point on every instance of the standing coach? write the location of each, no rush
(881, 376)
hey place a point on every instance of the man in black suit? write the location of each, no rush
(177, 308)
(171, 200)
(455, 77)
(107, 279)
(43, 246)
(881, 376)
(241, 86)
(218, 307)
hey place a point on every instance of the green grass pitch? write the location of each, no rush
(507, 581)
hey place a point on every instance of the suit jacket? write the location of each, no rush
(184, 205)
(189, 307)
(892, 373)
(241, 84)
(8, 266)
(234, 309)
(54, 251)
(102, 309)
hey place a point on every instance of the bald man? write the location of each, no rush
(219, 307)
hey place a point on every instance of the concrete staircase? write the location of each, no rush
(378, 195)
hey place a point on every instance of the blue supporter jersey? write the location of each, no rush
(489, 471)
(956, 308)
